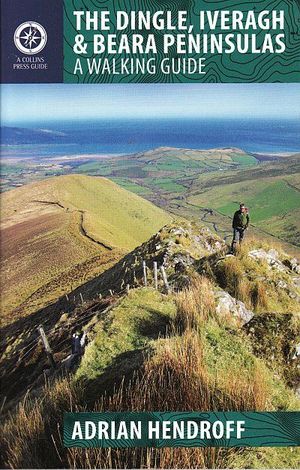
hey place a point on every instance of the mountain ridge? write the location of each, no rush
(68, 222)
(204, 334)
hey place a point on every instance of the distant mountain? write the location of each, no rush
(20, 135)
(59, 232)
(224, 155)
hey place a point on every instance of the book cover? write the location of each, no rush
(150, 234)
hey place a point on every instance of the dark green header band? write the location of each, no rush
(152, 41)
(181, 41)
(190, 429)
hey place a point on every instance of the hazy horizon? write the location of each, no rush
(120, 136)
(50, 103)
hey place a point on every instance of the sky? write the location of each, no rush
(54, 102)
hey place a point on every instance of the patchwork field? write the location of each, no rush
(173, 163)
(222, 335)
(165, 162)
(274, 201)
(205, 185)
(267, 198)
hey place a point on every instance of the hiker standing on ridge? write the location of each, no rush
(240, 223)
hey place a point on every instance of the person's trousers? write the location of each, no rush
(238, 235)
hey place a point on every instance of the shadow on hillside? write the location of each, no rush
(205, 264)
(112, 278)
(121, 371)
(127, 365)
(21, 368)
(22, 371)
(155, 326)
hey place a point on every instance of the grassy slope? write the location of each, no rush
(112, 215)
(174, 352)
(144, 313)
(106, 207)
(212, 357)
(217, 179)
(161, 169)
(44, 246)
(171, 177)
(271, 192)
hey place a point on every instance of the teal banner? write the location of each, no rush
(184, 429)
(181, 41)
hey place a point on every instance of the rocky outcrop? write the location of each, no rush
(183, 245)
(293, 265)
(228, 306)
(285, 267)
(275, 338)
(272, 258)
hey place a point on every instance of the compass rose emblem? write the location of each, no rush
(30, 37)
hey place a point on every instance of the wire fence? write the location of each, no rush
(108, 302)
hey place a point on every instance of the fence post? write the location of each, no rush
(155, 275)
(145, 273)
(47, 346)
(165, 279)
(127, 288)
(81, 296)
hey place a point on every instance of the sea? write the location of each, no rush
(127, 136)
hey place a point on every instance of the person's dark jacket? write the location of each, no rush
(240, 220)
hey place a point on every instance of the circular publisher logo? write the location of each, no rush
(30, 37)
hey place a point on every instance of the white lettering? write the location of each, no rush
(77, 431)
(90, 429)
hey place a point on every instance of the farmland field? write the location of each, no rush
(191, 183)
(169, 185)
(266, 198)
(131, 186)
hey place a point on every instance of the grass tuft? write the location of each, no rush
(206, 367)
(195, 304)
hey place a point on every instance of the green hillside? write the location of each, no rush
(266, 198)
(271, 193)
(223, 338)
(58, 233)
(154, 168)
(191, 182)
(111, 214)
